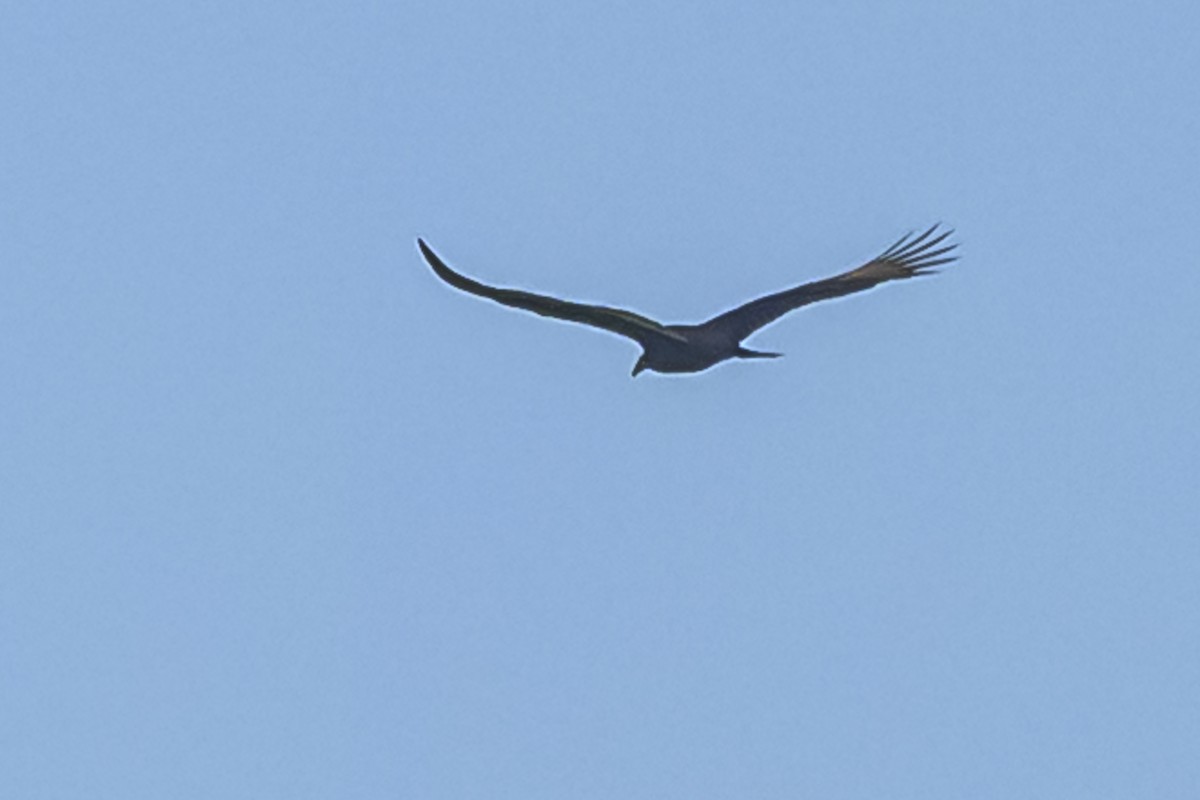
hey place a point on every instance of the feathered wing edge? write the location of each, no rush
(909, 257)
(916, 255)
(614, 320)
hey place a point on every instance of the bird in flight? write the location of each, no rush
(693, 348)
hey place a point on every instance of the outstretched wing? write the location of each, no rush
(616, 320)
(908, 257)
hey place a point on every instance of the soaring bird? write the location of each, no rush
(693, 348)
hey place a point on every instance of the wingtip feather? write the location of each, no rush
(920, 252)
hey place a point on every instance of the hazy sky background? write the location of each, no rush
(284, 516)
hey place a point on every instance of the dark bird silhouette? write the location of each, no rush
(692, 348)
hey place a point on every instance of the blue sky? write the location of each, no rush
(284, 516)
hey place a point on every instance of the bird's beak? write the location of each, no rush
(638, 367)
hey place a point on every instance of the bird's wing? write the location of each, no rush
(908, 257)
(616, 320)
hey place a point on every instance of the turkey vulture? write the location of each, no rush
(692, 348)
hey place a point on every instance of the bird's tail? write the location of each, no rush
(744, 353)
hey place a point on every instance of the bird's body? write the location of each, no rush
(703, 346)
(694, 348)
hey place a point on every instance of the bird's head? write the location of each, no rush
(640, 365)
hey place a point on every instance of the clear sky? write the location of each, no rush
(285, 516)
